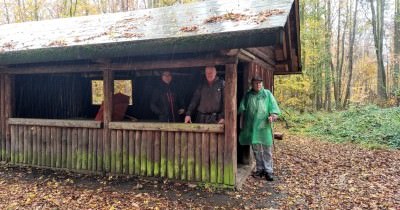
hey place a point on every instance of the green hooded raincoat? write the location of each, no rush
(256, 108)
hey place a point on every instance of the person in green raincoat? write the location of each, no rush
(259, 109)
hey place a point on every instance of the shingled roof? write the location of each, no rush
(196, 27)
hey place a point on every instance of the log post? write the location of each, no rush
(108, 88)
(245, 149)
(230, 150)
(9, 105)
(2, 118)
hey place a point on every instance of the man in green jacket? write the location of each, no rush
(259, 109)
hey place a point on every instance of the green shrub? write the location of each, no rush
(369, 125)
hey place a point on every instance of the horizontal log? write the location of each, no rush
(156, 126)
(278, 136)
(248, 57)
(287, 72)
(269, 59)
(174, 63)
(200, 61)
(55, 123)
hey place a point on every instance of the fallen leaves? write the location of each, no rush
(189, 28)
(9, 45)
(131, 35)
(57, 43)
(310, 174)
(227, 17)
(257, 18)
(327, 175)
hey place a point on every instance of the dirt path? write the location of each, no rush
(310, 174)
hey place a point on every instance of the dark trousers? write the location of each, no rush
(206, 118)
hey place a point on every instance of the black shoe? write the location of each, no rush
(269, 177)
(258, 174)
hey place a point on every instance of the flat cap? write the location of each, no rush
(256, 79)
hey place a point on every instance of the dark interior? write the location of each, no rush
(69, 96)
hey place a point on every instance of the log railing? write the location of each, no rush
(55, 123)
(190, 152)
(69, 144)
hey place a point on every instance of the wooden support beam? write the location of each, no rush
(269, 59)
(248, 57)
(2, 117)
(105, 61)
(108, 87)
(231, 52)
(280, 49)
(289, 48)
(246, 77)
(268, 50)
(297, 21)
(230, 150)
(199, 61)
(9, 107)
(173, 64)
(246, 157)
(286, 72)
(67, 68)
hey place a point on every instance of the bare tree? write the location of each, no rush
(352, 36)
(20, 17)
(396, 45)
(377, 28)
(340, 51)
(328, 65)
(6, 10)
(36, 10)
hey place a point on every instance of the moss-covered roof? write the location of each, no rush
(197, 27)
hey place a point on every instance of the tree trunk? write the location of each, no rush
(6, 10)
(328, 67)
(20, 16)
(335, 74)
(341, 61)
(377, 27)
(352, 36)
(36, 12)
(396, 45)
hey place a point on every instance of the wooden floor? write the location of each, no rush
(243, 171)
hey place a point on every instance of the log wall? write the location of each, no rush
(254, 69)
(64, 96)
(2, 118)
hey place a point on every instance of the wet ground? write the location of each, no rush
(310, 174)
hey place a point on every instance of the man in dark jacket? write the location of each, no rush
(208, 99)
(165, 101)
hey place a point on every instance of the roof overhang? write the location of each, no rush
(104, 36)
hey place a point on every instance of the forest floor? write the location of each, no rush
(309, 174)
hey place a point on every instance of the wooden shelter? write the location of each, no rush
(47, 69)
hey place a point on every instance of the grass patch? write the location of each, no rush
(369, 126)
